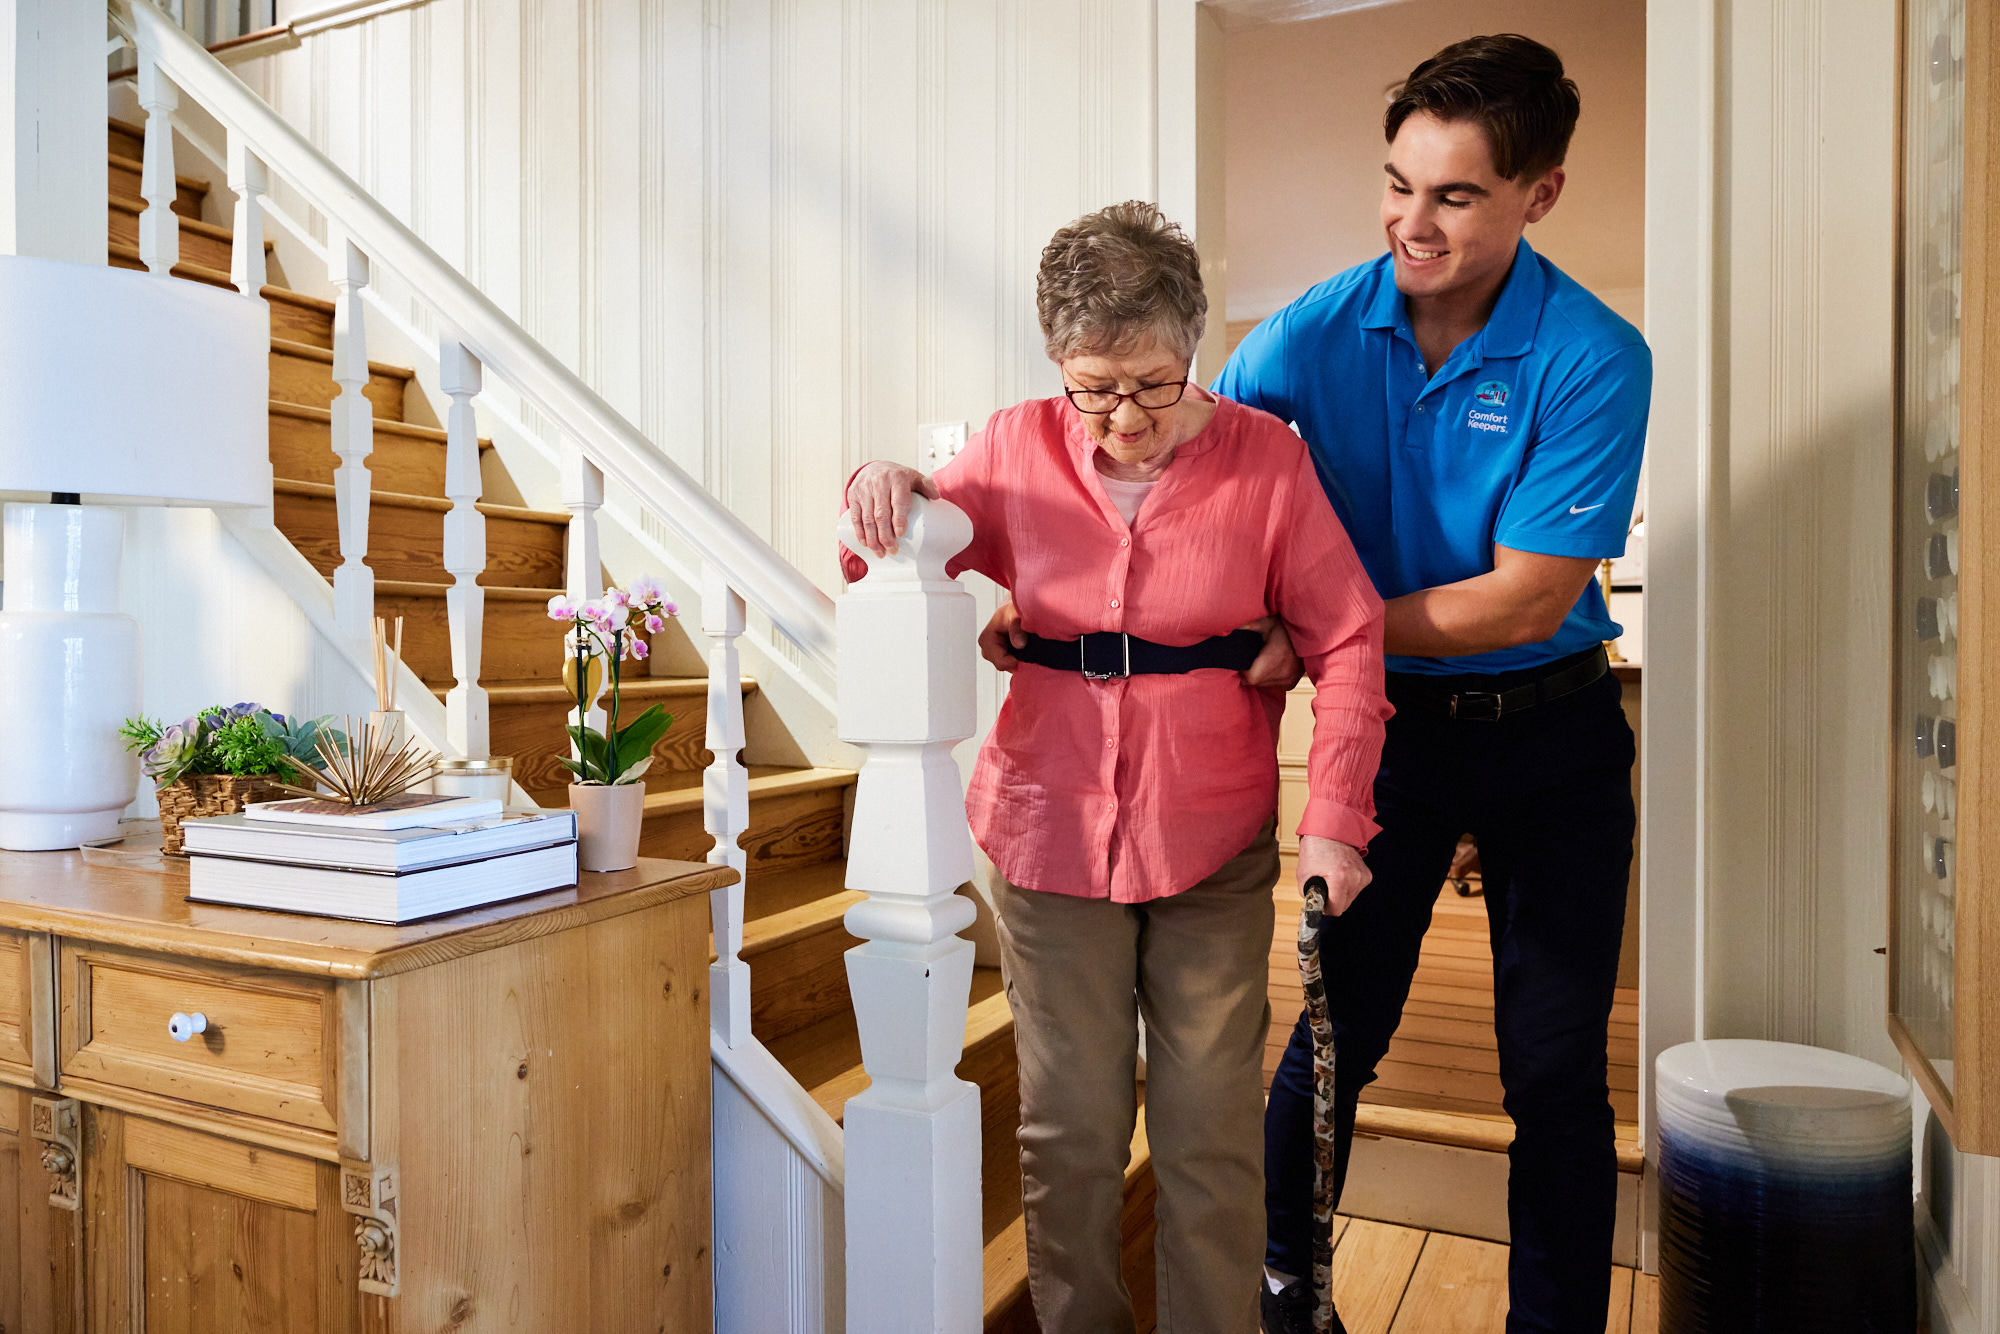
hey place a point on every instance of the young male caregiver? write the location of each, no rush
(1477, 419)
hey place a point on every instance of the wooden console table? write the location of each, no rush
(498, 1119)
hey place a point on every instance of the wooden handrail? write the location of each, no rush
(797, 607)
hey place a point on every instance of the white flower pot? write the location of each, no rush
(607, 824)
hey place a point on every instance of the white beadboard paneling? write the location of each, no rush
(1798, 809)
(254, 643)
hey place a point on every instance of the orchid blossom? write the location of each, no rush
(607, 630)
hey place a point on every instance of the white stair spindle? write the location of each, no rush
(906, 636)
(726, 805)
(159, 225)
(583, 561)
(466, 720)
(353, 438)
(250, 182)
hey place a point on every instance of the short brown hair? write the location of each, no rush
(1116, 276)
(1512, 86)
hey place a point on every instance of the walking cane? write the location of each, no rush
(1310, 917)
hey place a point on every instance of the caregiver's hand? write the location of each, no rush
(1002, 635)
(1346, 875)
(1277, 667)
(878, 502)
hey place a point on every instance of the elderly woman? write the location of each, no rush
(1127, 793)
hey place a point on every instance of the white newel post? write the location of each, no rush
(725, 788)
(249, 181)
(465, 717)
(353, 438)
(159, 226)
(583, 561)
(906, 636)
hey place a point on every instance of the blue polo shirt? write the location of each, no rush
(1529, 436)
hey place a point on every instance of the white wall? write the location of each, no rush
(1305, 104)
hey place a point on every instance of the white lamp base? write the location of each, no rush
(45, 833)
(69, 676)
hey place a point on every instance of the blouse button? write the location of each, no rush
(1124, 541)
(1114, 602)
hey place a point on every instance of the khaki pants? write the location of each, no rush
(1080, 973)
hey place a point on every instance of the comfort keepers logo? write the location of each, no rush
(1482, 415)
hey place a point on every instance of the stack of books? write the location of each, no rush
(401, 860)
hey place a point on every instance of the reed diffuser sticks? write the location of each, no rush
(388, 656)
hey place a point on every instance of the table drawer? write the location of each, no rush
(27, 999)
(272, 1049)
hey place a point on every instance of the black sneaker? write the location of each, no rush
(1291, 1311)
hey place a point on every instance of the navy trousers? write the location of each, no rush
(1547, 792)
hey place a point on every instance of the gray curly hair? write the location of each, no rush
(1113, 277)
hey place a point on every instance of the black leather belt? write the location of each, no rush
(1417, 692)
(1106, 655)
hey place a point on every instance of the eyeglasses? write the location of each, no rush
(1098, 402)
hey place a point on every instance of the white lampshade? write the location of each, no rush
(132, 387)
(121, 386)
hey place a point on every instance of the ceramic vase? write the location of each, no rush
(607, 824)
(69, 675)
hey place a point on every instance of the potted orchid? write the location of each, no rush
(607, 793)
(221, 759)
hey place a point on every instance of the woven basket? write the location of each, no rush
(209, 794)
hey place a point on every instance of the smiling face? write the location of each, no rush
(1451, 220)
(1132, 434)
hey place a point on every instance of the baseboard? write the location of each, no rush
(1943, 1304)
(1446, 1188)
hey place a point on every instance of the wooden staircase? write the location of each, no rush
(796, 843)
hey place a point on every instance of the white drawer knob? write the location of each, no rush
(184, 1026)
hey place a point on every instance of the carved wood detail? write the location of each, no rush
(369, 1193)
(57, 1123)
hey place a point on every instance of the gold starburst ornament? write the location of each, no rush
(364, 764)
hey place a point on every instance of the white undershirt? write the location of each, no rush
(1126, 497)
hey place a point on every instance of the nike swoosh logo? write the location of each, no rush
(1588, 508)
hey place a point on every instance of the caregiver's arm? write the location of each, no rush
(1521, 600)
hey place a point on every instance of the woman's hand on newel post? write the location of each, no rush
(878, 503)
(1341, 866)
(1277, 666)
(1002, 635)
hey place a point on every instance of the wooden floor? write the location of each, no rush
(1444, 1057)
(1395, 1280)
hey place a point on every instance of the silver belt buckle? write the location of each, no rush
(1083, 656)
(1478, 699)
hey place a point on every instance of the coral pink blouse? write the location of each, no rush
(1138, 788)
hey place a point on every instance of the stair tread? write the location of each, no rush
(551, 692)
(780, 893)
(200, 273)
(765, 781)
(287, 486)
(1471, 1130)
(134, 164)
(423, 588)
(307, 352)
(1005, 1260)
(771, 931)
(825, 1058)
(186, 224)
(219, 278)
(383, 425)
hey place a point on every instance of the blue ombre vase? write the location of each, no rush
(1785, 1192)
